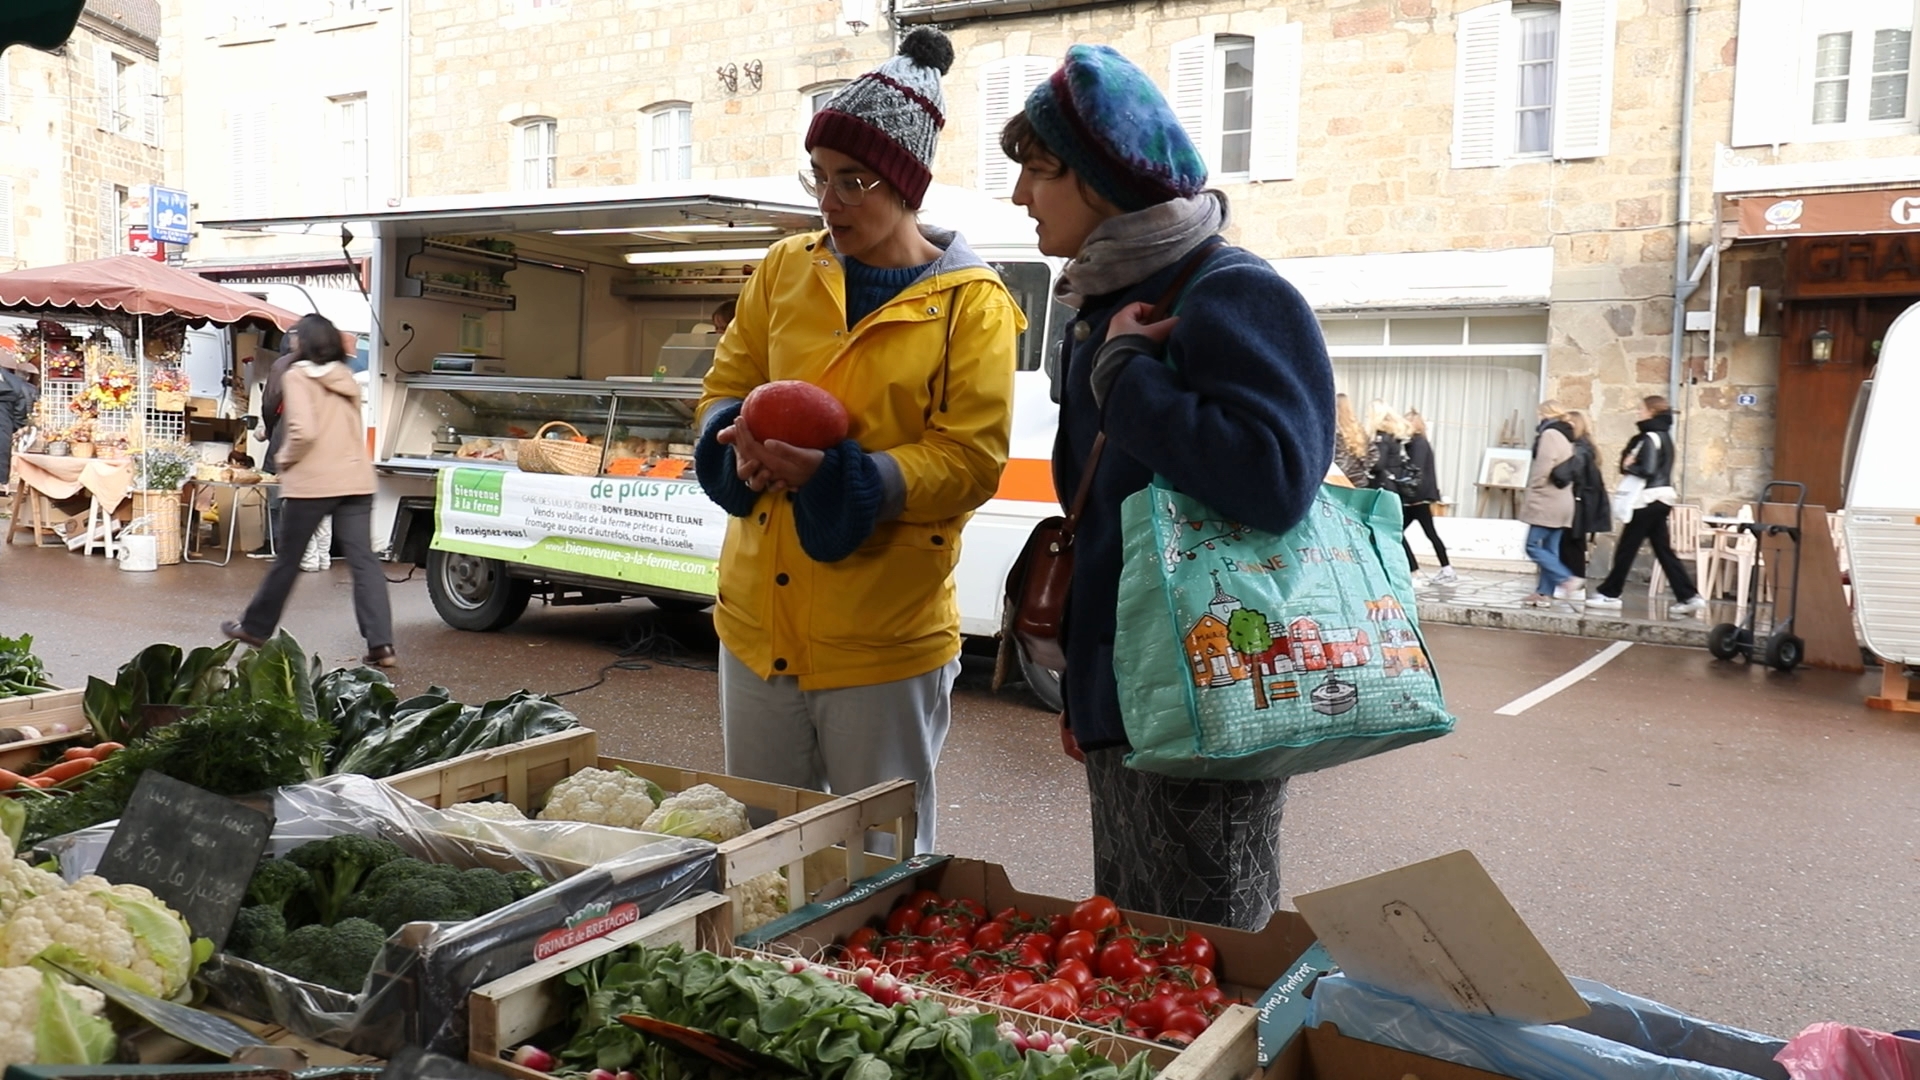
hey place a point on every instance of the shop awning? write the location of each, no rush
(133, 285)
(1836, 213)
(1416, 280)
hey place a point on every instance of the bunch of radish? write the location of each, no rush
(1046, 1042)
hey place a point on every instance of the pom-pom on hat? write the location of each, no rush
(1106, 120)
(890, 118)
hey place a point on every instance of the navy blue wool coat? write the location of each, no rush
(1240, 416)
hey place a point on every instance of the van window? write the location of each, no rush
(1031, 284)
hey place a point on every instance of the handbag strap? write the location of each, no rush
(1162, 308)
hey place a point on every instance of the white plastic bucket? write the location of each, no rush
(140, 554)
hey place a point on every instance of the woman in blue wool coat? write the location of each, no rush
(1239, 415)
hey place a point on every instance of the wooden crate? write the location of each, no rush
(510, 1010)
(37, 711)
(816, 838)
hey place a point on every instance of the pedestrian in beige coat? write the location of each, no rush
(1547, 508)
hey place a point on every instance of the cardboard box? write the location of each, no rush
(41, 712)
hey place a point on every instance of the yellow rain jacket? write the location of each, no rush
(928, 381)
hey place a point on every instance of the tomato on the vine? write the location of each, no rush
(862, 938)
(1190, 1021)
(1078, 973)
(1005, 982)
(1036, 950)
(1100, 1015)
(1077, 945)
(902, 920)
(991, 937)
(1058, 925)
(972, 909)
(1119, 959)
(1193, 949)
(944, 928)
(1206, 998)
(1094, 914)
(1052, 998)
(922, 901)
(859, 956)
(1151, 1015)
(1014, 916)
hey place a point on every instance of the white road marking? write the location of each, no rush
(1529, 700)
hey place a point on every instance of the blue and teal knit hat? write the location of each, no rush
(1107, 121)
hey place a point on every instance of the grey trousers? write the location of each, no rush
(838, 740)
(299, 518)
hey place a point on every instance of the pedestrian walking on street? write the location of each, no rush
(1352, 449)
(272, 406)
(1648, 460)
(1547, 507)
(1230, 401)
(324, 471)
(1592, 506)
(18, 395)
(838, 622)
(1419, 506)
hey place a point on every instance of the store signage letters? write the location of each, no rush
(1884, 265)
(1831, 214)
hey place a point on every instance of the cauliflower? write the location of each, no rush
(492, 811)
(602, 797)
(120, 932)
(45, 1021)
(762, 899)
(702, 811)
(20, 882)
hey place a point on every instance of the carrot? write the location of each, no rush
(75, 753)
(10, 780)
(41, 781)
(66, 770)
(106, 750)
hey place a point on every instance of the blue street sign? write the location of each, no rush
(168, 220)
(1747, 399)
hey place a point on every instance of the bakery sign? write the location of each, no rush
(1835, 213)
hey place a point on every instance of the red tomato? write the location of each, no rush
(1052, 998)
(1150, 1015)
(944, 928)
(1078, 973)
(1119, 959)
(1014, 916)
(1194, 950)
(860, 956)
(892, 949)
(1077, 945)
(1035, 949)
(1005, 982)
(1101, 1016)
(1190, 1021)
(1094, 915)
(902, 920)
(1058, 925)
(951, 978)
(923, 901)
(862, 938)
(1205, 999)
(992, 936)
(974, 910)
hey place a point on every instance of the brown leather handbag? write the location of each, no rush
(1035, 607)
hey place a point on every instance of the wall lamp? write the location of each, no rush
(1822, 345)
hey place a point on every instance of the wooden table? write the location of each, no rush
(40, 480)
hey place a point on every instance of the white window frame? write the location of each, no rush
(1197, 93)
(1004, 86)
(535, 153)
(1773, 70)
(666, 155)
(113, 218)
(1487, 83)
(348, 116)
(249, 162)
(1865, 20)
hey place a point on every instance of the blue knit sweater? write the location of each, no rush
(1241, 419)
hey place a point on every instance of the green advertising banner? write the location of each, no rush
(664, 533)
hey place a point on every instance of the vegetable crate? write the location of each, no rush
(508, 1011)
(40, 711)
(811, 835)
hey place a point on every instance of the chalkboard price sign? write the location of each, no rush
(196, 850)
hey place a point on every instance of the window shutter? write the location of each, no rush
(260, 165)
(248, 162)
(6, 89)
(1190, 94)
(152, 114)
(104, 104)
(112, 242)
(1483, 76)
(996, 104)
(1766, 73)
(6, 217)
(1276, 103)
(1583, 79)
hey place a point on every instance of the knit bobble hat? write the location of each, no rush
(890, 118)
(1106, 120)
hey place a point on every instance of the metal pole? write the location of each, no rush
(1683, 283)
(140, 394)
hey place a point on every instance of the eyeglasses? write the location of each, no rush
(850, 190)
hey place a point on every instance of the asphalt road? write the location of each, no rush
(1741, 845)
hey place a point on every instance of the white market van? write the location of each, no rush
(497, 318)
(1883, 501)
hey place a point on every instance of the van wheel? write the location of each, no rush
(1044, 682)
(472, 593)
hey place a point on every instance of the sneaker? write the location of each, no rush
(1538, 600)
(1571, 589)
(1446, 576)
(1687, 609)
(1602, 602)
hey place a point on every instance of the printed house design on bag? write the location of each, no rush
(1232, 642)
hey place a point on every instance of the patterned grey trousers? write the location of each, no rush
(1203, 850)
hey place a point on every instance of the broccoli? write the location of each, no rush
(276, 882)
(338, 956)
(481, 890)
(337, 866)
(525, 883)
(258, 934)
(427, 901)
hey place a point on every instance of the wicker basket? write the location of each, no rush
(169, 401)
(162, 511)
(543, 455)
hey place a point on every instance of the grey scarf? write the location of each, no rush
(1126, 250)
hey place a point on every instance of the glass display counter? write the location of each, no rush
(643, 426)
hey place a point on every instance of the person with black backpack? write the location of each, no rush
(1418, 506)
(1646, 488)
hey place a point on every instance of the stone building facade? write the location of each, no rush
(80, 134)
